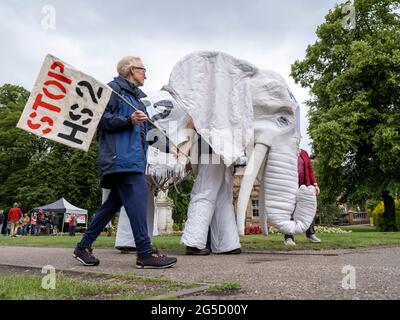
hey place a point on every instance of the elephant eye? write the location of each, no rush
(283, 121)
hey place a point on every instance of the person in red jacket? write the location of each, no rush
(13, 217)
(72, 225)
(307, 177)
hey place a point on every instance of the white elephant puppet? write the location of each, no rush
(234, 106)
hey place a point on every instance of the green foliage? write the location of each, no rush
(180, 195)
(354, 77)
(35, 171)
(381, 221)
(328, 213)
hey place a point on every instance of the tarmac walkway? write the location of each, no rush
(261, 274)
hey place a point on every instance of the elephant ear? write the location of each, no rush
(213, 88)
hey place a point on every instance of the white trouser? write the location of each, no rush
(124, 231)
(211, 205)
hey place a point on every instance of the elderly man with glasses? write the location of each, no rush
(122, 158)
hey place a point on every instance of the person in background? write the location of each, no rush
(47, 223)
(54, 221)
(307, 177)
(2, 218)
(13, 217)
(8, 229)
(72, 225)
(39, 221)
(33, 223)
(25, 224)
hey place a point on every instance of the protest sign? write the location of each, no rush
(65, 105)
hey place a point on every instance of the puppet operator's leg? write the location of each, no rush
(224, 232)
(124, 231)
(202, 204)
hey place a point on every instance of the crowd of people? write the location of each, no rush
(32, 223)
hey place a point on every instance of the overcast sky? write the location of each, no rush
(94, 35)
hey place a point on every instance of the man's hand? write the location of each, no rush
(317, 189)
(138, 117)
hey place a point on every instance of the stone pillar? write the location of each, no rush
(164, 206)
(351, 219)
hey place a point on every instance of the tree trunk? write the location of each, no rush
(389, 214)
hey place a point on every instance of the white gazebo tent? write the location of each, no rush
(66, 208)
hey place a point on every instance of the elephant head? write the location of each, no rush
(274, 159)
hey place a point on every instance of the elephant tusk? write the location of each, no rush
(253, 167)
(261, 206)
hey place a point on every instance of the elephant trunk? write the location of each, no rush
(253, 167)
(282, 194)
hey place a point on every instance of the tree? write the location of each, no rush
(180, 195)
(62, 172)
(353, 75)
(36, 171)
(16, 146)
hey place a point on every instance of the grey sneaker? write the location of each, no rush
(313, 238)
(155, 260)
(289, 242)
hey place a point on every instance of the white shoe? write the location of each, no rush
(289, 242)
(313, 238)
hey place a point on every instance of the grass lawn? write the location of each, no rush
(69, 286)
(359, 238)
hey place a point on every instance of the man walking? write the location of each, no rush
(122, 159)
(14, 215)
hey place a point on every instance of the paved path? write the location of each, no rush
(261, 274)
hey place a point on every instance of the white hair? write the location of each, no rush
(126, 63)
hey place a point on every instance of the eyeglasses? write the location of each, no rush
(140, 68)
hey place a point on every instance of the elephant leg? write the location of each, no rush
(124, 236)
(152, 222)
(202, 204)
(123, 228)
(124, 231)
(224, 232)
